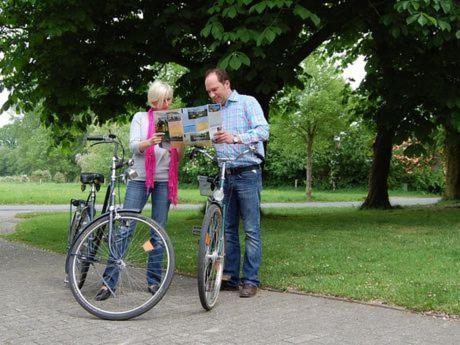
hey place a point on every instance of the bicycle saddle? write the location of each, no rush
(89, 178)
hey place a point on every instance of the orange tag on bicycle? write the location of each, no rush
(148, 246)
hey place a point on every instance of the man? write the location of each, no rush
(243, 123)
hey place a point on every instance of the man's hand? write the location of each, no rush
(222, 137)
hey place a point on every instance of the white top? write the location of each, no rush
(138, 133)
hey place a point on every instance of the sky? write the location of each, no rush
(355, 71)
(4, 117)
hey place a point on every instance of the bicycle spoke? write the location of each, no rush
(123, 266)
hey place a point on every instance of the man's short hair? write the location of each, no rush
(221, 74)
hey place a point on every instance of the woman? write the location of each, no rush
(157, 170)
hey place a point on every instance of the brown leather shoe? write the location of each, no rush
(225, 286)
(248, 290)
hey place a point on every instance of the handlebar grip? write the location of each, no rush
(109, 137)
(95, 138)
(193, 154)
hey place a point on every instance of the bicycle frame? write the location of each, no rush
(211, 255)
(110, 195)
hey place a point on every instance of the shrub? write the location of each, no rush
(40, 176)
(200, 165)
(15, 179)
(59, 178)
(423, 172)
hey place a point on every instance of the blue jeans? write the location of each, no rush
(136, 198)
(242, 199)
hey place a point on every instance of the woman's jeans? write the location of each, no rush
(136, 198)
(242, 199)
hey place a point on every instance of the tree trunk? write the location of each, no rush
(452, 148)
(308, 167)
(377, 196)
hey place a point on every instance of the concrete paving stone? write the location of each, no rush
(269, 318)
(301, 339)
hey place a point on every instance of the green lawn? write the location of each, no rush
(55, 193)
(408, 257)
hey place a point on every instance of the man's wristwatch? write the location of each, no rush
(236, 140)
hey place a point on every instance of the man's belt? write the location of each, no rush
(238, 170)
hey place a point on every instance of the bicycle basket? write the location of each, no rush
(205, 185)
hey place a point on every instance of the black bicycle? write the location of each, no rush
(123, 242)
(211, 253)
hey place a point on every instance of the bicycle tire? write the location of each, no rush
(211, 256)
(128, 254)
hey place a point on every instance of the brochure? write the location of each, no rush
(189, 126)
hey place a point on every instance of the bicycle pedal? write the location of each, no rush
(196, 230)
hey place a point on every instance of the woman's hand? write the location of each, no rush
(156, 139)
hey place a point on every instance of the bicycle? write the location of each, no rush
(211, 252)
(124, 243)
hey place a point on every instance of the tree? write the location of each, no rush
(92, 60)
(26, 146)
(316, 111)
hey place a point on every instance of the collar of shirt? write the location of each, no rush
(232, 98)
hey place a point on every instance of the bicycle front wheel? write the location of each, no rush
(211, 257)
(132, 257)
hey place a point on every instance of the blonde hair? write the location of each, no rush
(158, 92)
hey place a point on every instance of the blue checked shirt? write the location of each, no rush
(242, 115)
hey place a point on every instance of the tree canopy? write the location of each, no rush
(92, 60)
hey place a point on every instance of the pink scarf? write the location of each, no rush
(150, 164)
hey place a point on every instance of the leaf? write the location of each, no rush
(395, 32)
(422, 20)
(457, 34)
(446, 6)
(234, 62)
(303, 13)
(445, 26)
(386, 20)
(232, 12)
(206, 30)
(217, 30)
(259, 8)
(412, 18)
(245, 59)
(244, 34)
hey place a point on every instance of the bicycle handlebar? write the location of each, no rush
(252, 148)
(109, 137)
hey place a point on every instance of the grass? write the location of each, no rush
(55, 193)
(408, 257)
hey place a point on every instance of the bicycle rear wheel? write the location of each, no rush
(80, 219)
(125, 260)
(211, 257)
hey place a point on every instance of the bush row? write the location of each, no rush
(36, 176)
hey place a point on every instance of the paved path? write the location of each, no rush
(36, 308)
